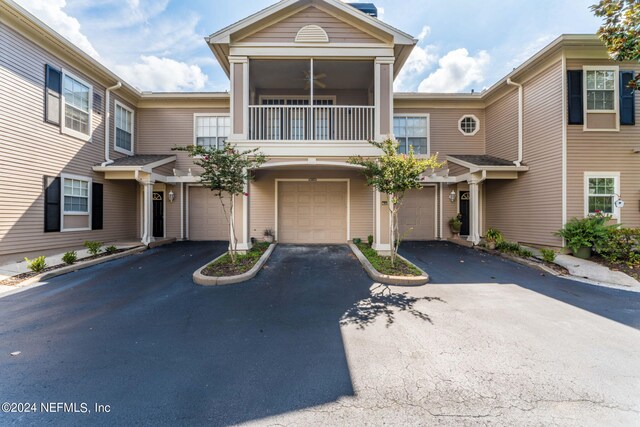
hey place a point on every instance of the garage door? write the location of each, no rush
(417, 214)
(206, 218)
(312, 212)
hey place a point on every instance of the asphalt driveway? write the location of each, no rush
(312, 341)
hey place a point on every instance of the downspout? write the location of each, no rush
(520, 119)
(107, 160)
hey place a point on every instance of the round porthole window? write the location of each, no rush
(469, 125)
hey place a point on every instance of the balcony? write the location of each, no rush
(305, 123)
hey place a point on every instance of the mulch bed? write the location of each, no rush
(224, 267)
(14, 280)
(633, 271)
(383, 264)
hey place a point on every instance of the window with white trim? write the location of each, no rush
(75, 196)
(412, 131)
(212, 131)
(469, 125)
(123, 138)
(601, 192)
(601, 87)
(77, 96)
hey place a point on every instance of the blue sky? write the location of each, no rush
(466, 44)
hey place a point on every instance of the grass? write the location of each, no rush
(383, 263)
(224, 267)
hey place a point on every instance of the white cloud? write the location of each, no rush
(457, 70)
(421, 59)
(51, 13)
(163, 74)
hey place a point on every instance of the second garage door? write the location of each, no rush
(417, 215)
(312, 212)
(206, 218)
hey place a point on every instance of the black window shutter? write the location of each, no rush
(52, 97)
(96, 206)
(627, 99)
(574, 85)
(51, 203)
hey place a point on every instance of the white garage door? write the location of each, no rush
(206, 218)
(417, 215)
(312, 212)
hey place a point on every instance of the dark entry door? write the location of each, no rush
(464, 211)
(158, 214)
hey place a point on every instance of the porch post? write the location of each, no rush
(241, 219)
(381, 227)
(474, 214)
(383, 98)
(147, 213)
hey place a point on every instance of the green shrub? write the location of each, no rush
(494, 236)
(587, 232)
(357, 240)
(93, 246)
(37, 264)
(70, 257)
(370, 240)
(514, 249)
(548, 255)
(111, 249)
(623, 245)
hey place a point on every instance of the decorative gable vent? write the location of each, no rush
(312, 34)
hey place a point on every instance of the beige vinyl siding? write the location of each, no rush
(445, 138)
(502, 127)
(262, 199)
(285, 31)
(605, 152)
(31, 148)
(529, 209)
(160, 129)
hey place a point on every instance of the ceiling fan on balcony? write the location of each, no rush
(316, 80)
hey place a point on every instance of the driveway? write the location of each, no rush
(312, 341)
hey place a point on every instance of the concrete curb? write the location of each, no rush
(30, 282)
(201, 279)
(385, 278)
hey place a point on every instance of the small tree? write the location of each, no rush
(394, 174)
(226, 173)
(620, 30)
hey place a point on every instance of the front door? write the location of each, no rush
(464, 211)
(158, 214)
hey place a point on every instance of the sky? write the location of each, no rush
(158, 45)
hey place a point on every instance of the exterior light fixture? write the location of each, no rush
(452, 196)
(172, 196)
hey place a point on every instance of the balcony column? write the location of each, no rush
(474, 213)
(239, 97)
(382, 219)
(240, 219)
(383, 97)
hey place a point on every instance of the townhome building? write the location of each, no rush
(86, 156)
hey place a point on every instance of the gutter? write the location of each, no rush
(520, 118)
(107, 160)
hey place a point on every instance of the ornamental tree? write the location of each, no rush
(394, 174)
(226, 173)
(620, 30)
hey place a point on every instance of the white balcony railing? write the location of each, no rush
(303, 123)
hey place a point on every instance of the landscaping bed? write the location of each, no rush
(383, 263)
(224, 267)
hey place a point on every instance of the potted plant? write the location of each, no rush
(493, 237)
(269, 235)
(455, 224)
(581, 235)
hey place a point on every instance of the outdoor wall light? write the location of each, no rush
(172, 196)
(452, 196)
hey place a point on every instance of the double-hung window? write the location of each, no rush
(123, 138)
(601, 88)
(601, 192)
(212, 130)
(77, 96)
(76, 196)
(412, 131)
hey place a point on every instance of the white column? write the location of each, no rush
(147, 213)
(244, 239)
(382, 220)
(474, 213)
